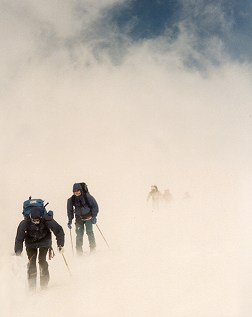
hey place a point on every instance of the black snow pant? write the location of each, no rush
(32, 267)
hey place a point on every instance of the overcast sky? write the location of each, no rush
(162, 83)
(123, 95)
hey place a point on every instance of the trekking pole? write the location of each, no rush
(102, 235)
(66, 264)
(71, 240)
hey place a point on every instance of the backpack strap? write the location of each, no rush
(85, 199)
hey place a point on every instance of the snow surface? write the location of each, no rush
(182, 260)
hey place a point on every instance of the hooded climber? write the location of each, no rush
(85, 209)
(35, 231)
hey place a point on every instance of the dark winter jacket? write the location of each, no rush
(81, 208)
(37, 236)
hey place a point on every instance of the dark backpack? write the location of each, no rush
(31, 203)
(85, 191)
(84, 187)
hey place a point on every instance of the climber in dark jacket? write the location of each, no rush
(84, 207)
(35, 231)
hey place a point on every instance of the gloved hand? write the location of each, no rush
(69, 225)
(60, 249)
(94, 220)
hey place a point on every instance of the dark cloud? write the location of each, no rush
(227, 21)
(198, 32)
(145, 19)
(206, 24)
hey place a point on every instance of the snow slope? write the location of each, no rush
(183, 261)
